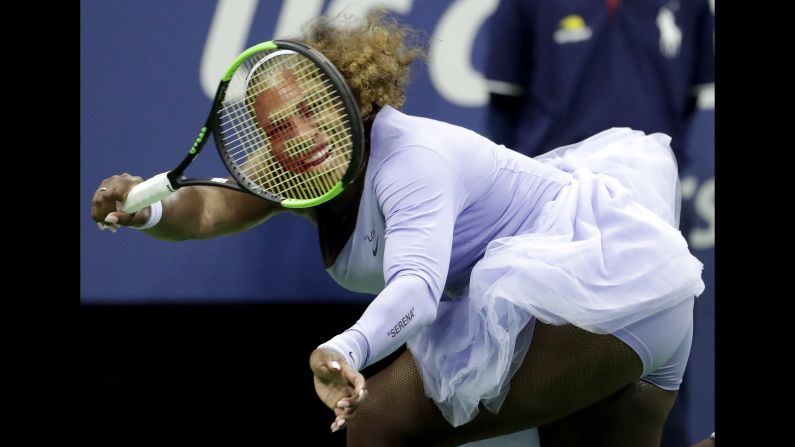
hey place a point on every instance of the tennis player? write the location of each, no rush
(552, 292)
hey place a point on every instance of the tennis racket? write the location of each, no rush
(286, 126)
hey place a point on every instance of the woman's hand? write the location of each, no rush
(104, 205)
(338, 385)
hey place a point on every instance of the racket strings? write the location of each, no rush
(243, 127)
(313, 97)
(320, 182)
(286, 181)
(248, 129)
(339, 157)
(288, 108)
(248, 144)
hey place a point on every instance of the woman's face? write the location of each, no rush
(298, 143)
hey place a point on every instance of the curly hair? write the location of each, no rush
(374, 55)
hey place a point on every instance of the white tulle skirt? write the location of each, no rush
(605, 253)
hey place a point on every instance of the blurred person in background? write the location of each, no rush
(560, 71)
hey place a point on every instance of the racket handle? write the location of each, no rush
(148, 192)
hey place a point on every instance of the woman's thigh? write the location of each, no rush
(565, 370)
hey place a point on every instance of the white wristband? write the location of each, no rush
(353, 342)
(155, 213)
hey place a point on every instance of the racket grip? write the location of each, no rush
(148, 192)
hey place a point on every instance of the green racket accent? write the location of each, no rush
(199, 139)
(298, 203)
(260, 47)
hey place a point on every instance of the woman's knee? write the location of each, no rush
(388, 427)
(366, 430)
(396, 411)
(376, 422)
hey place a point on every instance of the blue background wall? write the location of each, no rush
(148, 69)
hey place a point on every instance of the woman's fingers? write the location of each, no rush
(339, 386)
(356, 380)
(338, 424)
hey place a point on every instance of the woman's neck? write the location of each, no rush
(336, 219)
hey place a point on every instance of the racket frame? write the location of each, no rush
(167, 183)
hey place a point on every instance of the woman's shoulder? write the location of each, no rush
(394, 131)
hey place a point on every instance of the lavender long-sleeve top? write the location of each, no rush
(434, 196)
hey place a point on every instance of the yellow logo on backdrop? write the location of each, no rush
(572, 22)
(571, 29)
